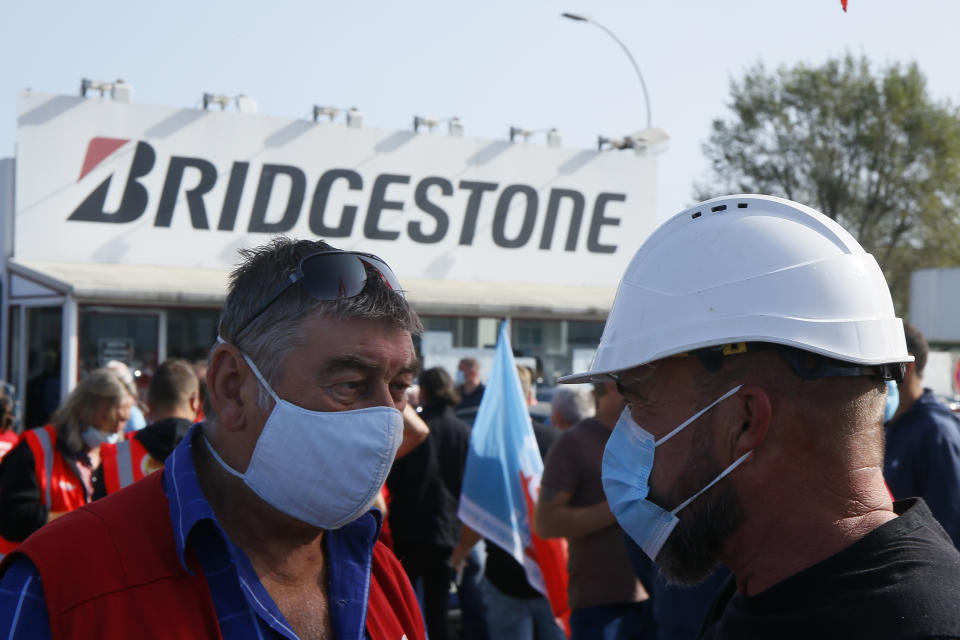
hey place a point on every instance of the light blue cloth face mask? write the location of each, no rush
(627, 464)
(93, 437)
(324, 468)
(893, 401)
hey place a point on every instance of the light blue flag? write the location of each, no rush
(502, 477)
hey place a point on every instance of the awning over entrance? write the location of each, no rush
(146, 285)
(126, 284)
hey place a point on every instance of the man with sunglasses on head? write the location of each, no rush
(260, 524)
(751, 337)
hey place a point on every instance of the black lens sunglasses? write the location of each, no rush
(331, 275)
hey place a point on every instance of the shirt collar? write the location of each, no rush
(188, 505)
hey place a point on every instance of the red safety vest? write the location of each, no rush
(124, 463)
(60, 488)
(8, 440)
(65, 492)
(129, 583)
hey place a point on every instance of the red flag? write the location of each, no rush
(551, 556)
(843, 3)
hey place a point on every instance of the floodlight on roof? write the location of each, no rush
(330, 112)
(119, 90)
(243, 103)
(652, 140)
(454, 124)
(553, 136)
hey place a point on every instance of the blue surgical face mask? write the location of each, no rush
(324, 468)
(93, 437)
(893, 401)
(627, 464)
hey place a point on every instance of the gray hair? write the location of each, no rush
(278, 331)
(574, 403)
(122, 371)
(74, 415)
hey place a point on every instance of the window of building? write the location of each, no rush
(131, 337)
(191, 332)
(557, 346)
(44, 336)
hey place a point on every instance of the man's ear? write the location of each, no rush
(226, 378)
(754, 414)
(909, 371)
(194, 403)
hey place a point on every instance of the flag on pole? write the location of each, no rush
(501, 482)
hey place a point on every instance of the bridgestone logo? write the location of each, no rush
(519, 204)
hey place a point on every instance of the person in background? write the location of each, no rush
(922, 454)
(50, 472)
(607, 600)
(413, 397)
(515, 610)
(424, 495)
(260, 523)
(43, 389)
(174, 401)
(137, 419)
(415, 431)
(469, 387)
(200, 369)
(570, 405)
(674, 612)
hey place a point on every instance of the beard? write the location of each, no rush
(691, 552)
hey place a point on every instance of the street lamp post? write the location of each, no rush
(643, 85)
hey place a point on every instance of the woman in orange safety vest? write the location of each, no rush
(49, 471)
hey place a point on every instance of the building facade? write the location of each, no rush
(121, 223)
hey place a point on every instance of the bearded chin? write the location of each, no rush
(692, 551)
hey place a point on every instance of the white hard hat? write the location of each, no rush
(749, 268)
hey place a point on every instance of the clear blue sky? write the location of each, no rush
(494, 64)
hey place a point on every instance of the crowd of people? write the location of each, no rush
(93, 444)
(731, 439)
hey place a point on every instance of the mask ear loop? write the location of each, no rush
(255, 370)
(713, 482)
(698, 414)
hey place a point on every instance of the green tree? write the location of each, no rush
(871, 150)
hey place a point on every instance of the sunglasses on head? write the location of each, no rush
(331, 275)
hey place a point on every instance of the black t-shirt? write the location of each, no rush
(425, 484)
(503, 572)
(472, 399)
(901, 580)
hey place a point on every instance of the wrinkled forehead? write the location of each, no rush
(326, 338)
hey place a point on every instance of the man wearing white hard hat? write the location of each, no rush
(751, 337)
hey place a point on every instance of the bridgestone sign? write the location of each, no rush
(109, 182)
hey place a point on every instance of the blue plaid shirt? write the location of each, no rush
(244, 608)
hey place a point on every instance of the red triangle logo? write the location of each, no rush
(97, 151)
